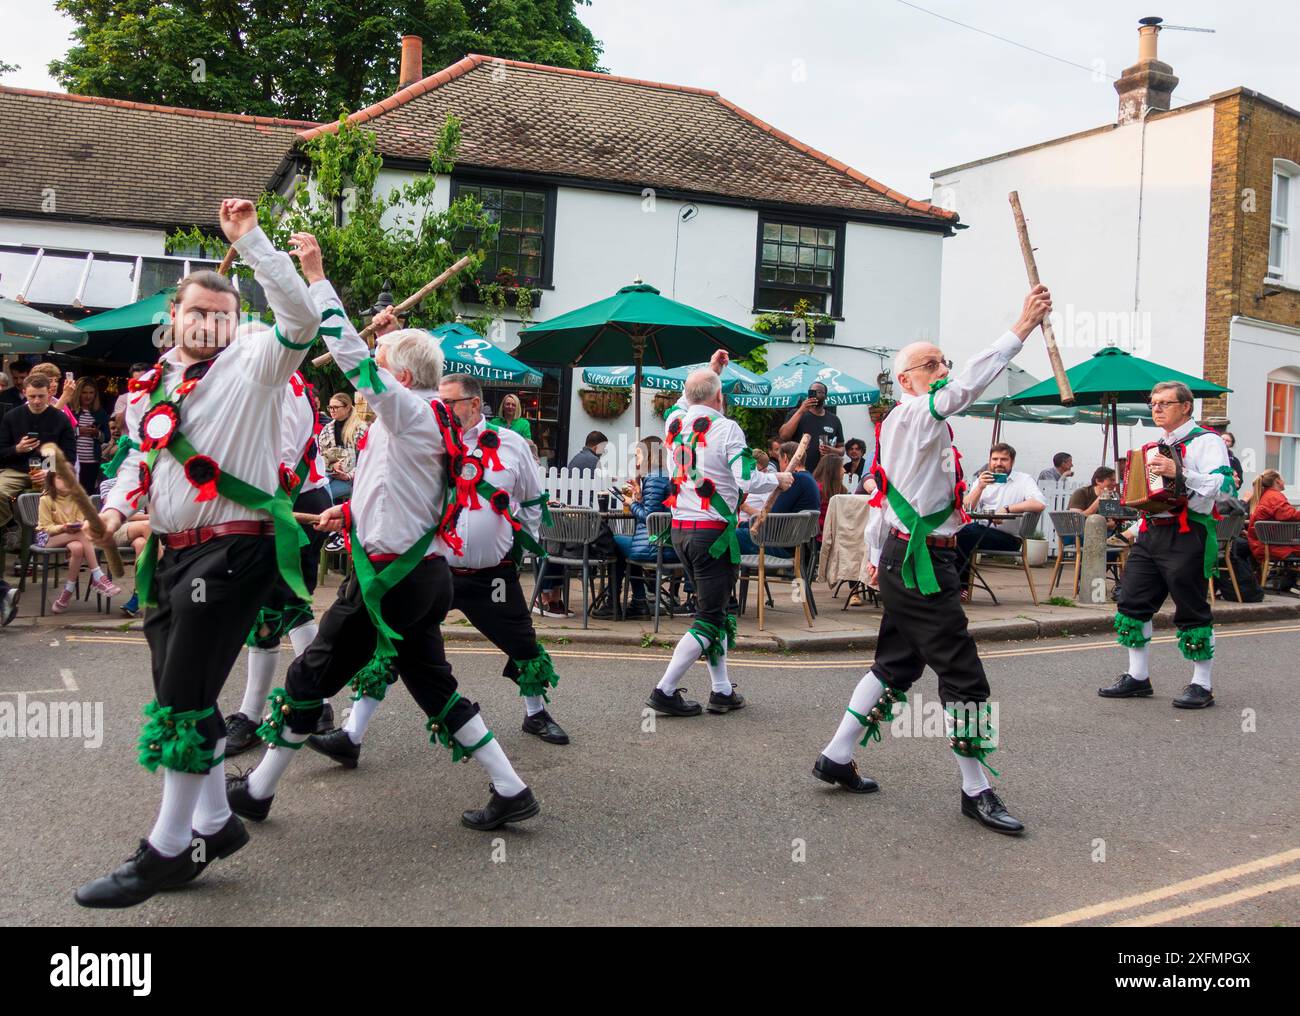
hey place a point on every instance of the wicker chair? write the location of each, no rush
(1024, 525)
(1228, 528)
(1067, 524)
(1276, 534)
(29, 507)
(797, 530)
(569, 526)
(658, 524)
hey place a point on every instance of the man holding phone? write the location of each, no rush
(999, 488)
(824, 429)
(22, 432)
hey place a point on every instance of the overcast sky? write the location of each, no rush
(894, 92)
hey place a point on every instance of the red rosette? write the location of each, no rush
(309, 453)
(288, 479)
(705, 489)
(449, 426)
(469, 473)
(203, 472)
(675, 427)
(700, 428)
(142, 485)
(159, 426)
(361, 442)
(670, 501)
(147, 381)
(185, 387)
(500, 501)
(489, 443)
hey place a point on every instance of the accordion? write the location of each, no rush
(1151, 494)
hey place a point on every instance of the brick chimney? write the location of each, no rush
(412, 61)
(1148, 82)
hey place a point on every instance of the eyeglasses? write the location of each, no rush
(463, 398)
(927, 365)
(1158, 404)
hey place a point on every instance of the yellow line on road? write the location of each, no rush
(1177, 888)
(1213, 903)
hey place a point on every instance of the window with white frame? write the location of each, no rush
(1282, 255)
(1282, 423)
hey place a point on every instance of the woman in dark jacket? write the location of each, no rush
(644, 496)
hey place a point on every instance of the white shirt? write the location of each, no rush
(1202, 454)
(996, 496)
(234, 414)
(488, 537)
(916, 449)
(716, 459)
(299, 424)
(397, 489)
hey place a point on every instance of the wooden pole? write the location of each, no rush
(1031, 269)
(406, 304)
(51, 452)
(227, 262)
(795, 460)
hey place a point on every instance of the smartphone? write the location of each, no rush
(999, 477)
(74, 525)
(34, 434)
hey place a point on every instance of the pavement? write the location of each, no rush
(1136, 812)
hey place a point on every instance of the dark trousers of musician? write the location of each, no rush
(1166, 563)
(282, 600)
(494, 602)
(712, 578)
(415, 608)
(207, 601)
(917, 630)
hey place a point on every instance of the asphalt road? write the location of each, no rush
(706, 820)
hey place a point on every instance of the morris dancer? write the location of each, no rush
(912, 544)
(1171, 558)
(209, 459)
(388, 615)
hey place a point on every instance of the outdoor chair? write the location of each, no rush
(1229, 528)
(1276, 534)
(1025, 524)
(660, 524)
(797, 530)
(29, 506)
(574, 527)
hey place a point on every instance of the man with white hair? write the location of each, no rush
(386, 622)
(912, 547)
(207, 421)
(713, 471)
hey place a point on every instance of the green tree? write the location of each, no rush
(302, 59)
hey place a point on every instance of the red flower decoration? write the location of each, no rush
(288, 478)
(361, 442)
(185, 387)
(469, 473)
(309, 453)
(449, 426)
(701, 427)
(142, 485)
(202, 472)
(675, 427)
(489, 443)
(147, 381)
(500, 502)
(671, 500)
(706, 489)
(159, 426)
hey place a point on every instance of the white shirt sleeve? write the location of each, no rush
(1205, 453)
(272, 356)
(980, 372)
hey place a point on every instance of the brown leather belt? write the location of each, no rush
(193, 537)
(475, 571)
(946, 542)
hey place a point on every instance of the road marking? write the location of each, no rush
(1177, 888)
(68, 682)
(1213, 903)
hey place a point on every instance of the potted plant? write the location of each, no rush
(662, 402)
(605, 403)
(1035, 549)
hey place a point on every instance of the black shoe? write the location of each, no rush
(326, 722)
(605, 613)
(501, 810)
(146, 873)
(8, 606)
(1194, 697)
(244, 804)
(846, 775)
(638, 609)
(1127, 686)
(674, 704)
(988, 811)
(541, 725)
(241, 734)
(337, 745)
(726, 703)
(224, 842)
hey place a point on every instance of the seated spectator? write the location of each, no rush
(338, 444)
(802, 495)
(774, 455)
(829, 476)
(135, 535)
(1062, 468)
(644, 496)
(22, 432)
(999, 488)
(60, 523)
(856, 467)
(124, 399)
(1233, 461)
(753, 503)
(1270, 504)
(1087, 499)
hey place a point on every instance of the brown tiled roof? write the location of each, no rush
(109, 160)
(532, 118)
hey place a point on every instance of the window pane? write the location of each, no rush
(803, 277)
(822, 279)
(1272, 452)
(1281, 198)
(530, 245)
(826, 237)
(508, 243)
(514, 200)
(473, 192)
(771, 252)
(771, 231)
(532, 268)
(534, 202)
(808, 235)
(512, 220)
(1276, 243)
(786, 275)
(806, 255)
(790, 234)
(825, 258)
(768, 274)
(491, 197)
(533, 223)
(789, 254)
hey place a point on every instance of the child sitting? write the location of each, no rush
(60, 523)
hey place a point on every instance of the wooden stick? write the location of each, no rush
(51, 452)
(406, 304)
(795, 460)
(227, 262)
(306, 518)
(1031, 269)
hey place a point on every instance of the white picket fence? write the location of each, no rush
(1058, 500)
(577, 488)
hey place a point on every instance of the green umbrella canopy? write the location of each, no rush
(1114, 375)
(735, 379)
(25, 329)
(465, 351)
(790, 383)
(129, 333)
(998, 403)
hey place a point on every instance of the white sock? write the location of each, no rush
(865, 695)
(1201, 670)
(69, 586)
(301, 637)
(718, 675)
(534, 704)
(491, 757)
(973, 780)
(686, 653)
(1139, 657)
(261, 671)
(96, 574)
(213, 810)
(263, 780)
(359, 718)
(171, 835)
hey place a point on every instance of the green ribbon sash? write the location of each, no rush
(918, 567)
(1211, 559)
(125, 446)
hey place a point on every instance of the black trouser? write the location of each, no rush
(415, 609)
(976, 536)
(281, 598)
(494, 602)
(1165, 562)
(208, 597)
(89, 477)
(713, 578)
(917, 630)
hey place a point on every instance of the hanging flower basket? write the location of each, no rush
(664, 401)
(605, 403)
(879, 410)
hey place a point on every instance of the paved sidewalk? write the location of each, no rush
(1014, 617)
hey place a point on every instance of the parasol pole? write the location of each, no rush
(638, 355)
(1114, 422)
